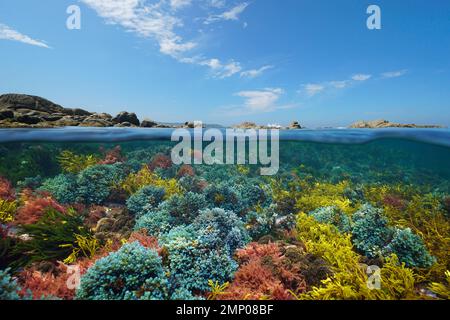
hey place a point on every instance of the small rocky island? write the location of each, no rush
(251, 125)
(380, 124)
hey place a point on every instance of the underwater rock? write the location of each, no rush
(105, 224)
(116, 225)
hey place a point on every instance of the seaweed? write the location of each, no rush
(335, 223)
(7, 210)
(146, 199)
(350, 278)
(145, 177)
(9, 289)
(442, 289)
(132, 273)
(74, 163)
(51, 238)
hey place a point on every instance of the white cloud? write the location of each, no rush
(340, 84)
(146, 20)
(313, 89)
(261, 100)
(219, 69)
(214, 64)
(361, 77)
(255, 72)
(6, 33)
(230, 15)
(178, 4)
(230, 69)
(394, 74)
(257, 102)
(158, 21)
(217, 3)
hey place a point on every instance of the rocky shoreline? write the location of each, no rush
(27, 111)
(380, 124)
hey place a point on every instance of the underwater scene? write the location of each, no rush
(105, 214)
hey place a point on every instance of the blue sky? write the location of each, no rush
(225, 61)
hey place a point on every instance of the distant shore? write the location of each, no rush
(27, 111)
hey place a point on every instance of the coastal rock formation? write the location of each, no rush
(379, 124)
(127, 117)
(148, 124)
(27, 111)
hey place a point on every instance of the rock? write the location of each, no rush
(77, 112)
(51, 118)
(34, 113)
(22, 101)
(28, 119)
(104, 116)
(105, 224)
(95, 122)
(118, 224)
(192, 125)
(251, 125)
(247, 125)
(124, 125)
(166, 126)
(37, 112)
(6, 114)
(148, 124)
(379, 124)
(295, 125)
(67, 121)
(126, 117)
